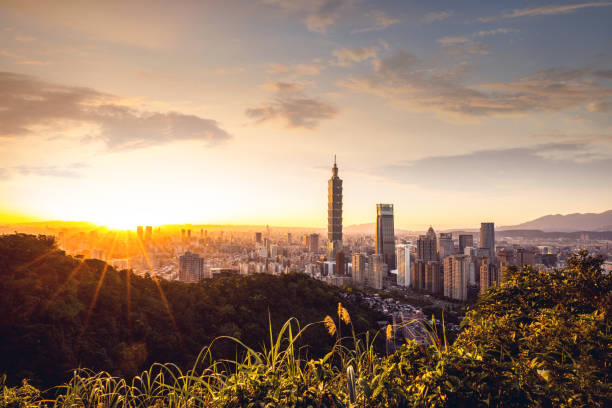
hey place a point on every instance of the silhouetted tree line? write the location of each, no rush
(59, 313)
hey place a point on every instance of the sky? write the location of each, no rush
(157, 112)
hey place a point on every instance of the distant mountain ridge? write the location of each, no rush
(568, 223)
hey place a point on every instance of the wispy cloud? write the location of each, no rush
(297, 70)
(505, 169)
(317, 15)
(294, 107)
(548, 10)
(27, 103)
(380, 21)
(408, 81)
(72, 170)
(436, 16)
(347, 56)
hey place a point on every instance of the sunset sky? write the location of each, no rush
(155, 112)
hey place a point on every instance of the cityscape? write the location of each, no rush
(305, 203)
(454, 265)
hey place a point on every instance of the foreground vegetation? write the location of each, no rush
(60, 312)
(540, 339)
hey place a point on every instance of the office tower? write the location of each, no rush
(289, 238)
(191, 267)
(403, 265)
(465, 241)
(359, 269)
(340, 263)
(432, 277)
(418, 274)
(258, 237)
(489, 274)
(446, 246)
(456, 275)
(487, 238)
(334, 213)
(189, 235)
(426, 246)
(377, 269)
(139, 232)
(313, 243)
(385, 234)
(148, 233)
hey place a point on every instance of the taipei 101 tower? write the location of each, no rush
(334, 213)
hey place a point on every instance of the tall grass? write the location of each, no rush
(278, 375)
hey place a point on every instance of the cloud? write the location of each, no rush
(548, 10)
(468, 48)
(317, 15)
(380, 21)
(66, 171)
(27, 104)
(293, 106)
(436, 16)
(347, 56)
(453, 40)
(408, 81)
(505, 169)
(297, 70)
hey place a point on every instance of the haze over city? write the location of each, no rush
(151, 113)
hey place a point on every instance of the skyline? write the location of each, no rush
(127, 115)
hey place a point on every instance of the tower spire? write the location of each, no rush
(335, 168)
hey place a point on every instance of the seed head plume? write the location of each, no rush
(389, 332)
(330, 325)
(343, 314)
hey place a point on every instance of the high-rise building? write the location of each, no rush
(313, 243)
(426, 246)
(465, 240)
(489, 274)
(191, 267)
(139, 232)
(446, 246)
(487, 238)
(340, 263)
(456, 276)
(359, 262)
(289, 238)
(258, 237)
(404, 275)
(432, 278)
(334, 213)
(377, 268)
(148, 233)
(385, 234)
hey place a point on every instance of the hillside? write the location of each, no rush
(568, 223)
(541, 339)
(60, 313)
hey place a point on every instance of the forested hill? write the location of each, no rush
(60, 313)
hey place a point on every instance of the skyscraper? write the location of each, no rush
(376, 269)
(426, 246)
(148, 233)
(385, 234)
(359, 269)
(139, 232)
(465, 241)
(446, 246)
(313, 243)
(258, 237)
(334, 213)
(456, 275)
(487, 238)
(403, 265)
(191, 267)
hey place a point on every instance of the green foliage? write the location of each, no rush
(541, 339)
(59, 313)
